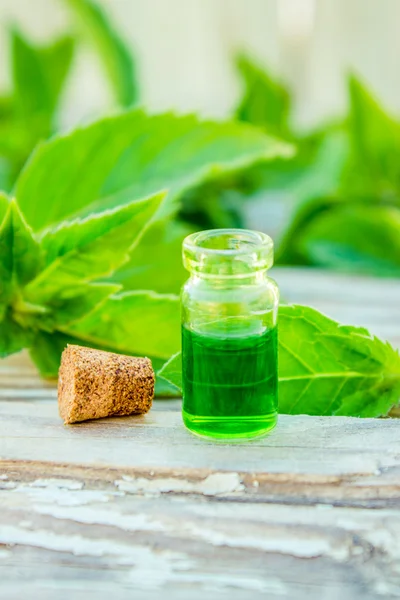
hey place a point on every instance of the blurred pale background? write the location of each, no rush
(184, 50)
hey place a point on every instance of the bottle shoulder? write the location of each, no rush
(234, 291)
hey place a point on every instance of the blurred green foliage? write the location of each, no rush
(39, 74)
(116, 57)
(28, 114)
(341, 191)
(343, 186)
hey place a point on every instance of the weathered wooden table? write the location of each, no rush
(138, 508)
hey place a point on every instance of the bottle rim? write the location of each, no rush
(227, 252)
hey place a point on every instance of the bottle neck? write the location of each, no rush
(255, 278)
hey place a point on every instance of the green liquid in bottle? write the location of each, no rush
(230, 384)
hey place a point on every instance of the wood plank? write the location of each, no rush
(300, 444)
(187, 533)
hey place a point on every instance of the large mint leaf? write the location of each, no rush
(157, 260)
(265, 103)
(358, 238)
(65, 307)
(115, 55)
(326, 368)
(139, 323)
(84, 250)
(131, 156)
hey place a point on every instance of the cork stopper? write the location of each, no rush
(93, 384)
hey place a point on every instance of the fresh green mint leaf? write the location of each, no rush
(131, 156)
(326, 368)
(141, 323)
(352, 237)
(265, 103)
(87, 249)
(68, 306)
(33, 307)
(114, 53)
(156, 262)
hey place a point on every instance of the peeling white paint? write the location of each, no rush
(93, 515)
(383, 588)
(223, 533)
(3, 477)
(279, 542)
(221, 483)
(65, 484)
(150, 568)
(63, 492)
(63, 496)
(213, 485)
(387, 540)
(26, 524)
(304, 547)
(7, 485)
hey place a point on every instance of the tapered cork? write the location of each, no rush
(93, 384)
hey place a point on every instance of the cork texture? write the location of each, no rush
(93, 384)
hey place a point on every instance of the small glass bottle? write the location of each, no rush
(229, 334)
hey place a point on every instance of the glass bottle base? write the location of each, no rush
(230, 428)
